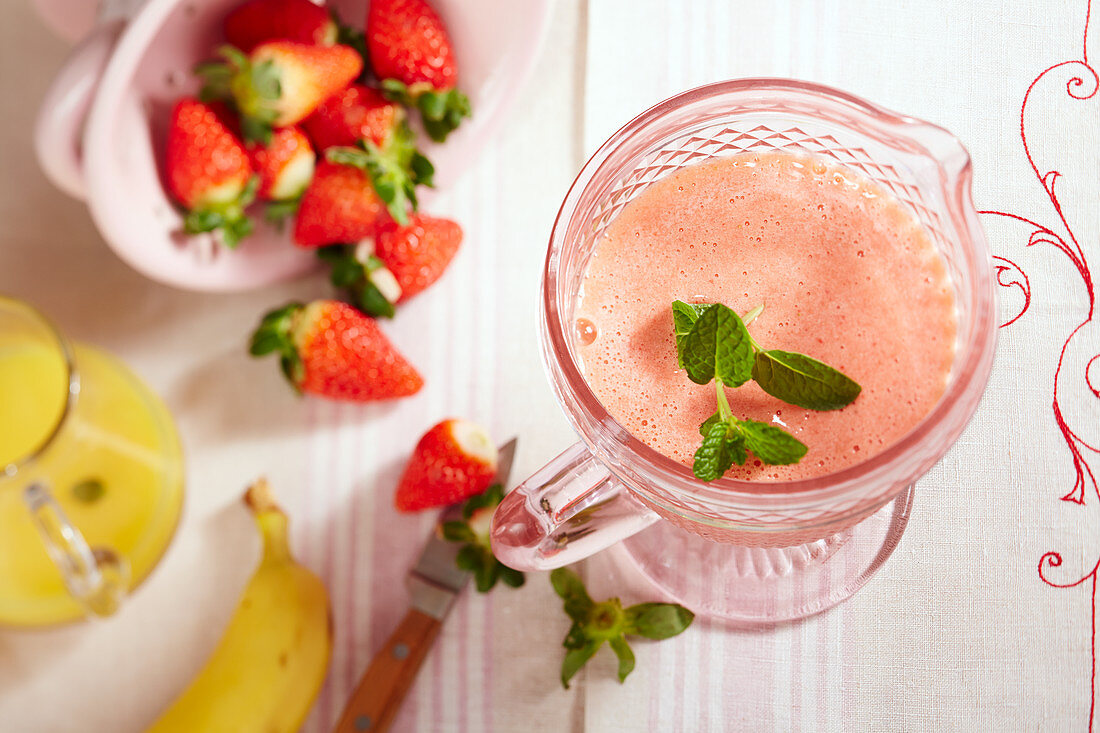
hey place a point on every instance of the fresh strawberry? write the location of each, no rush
(339, 206)
(208, 171)
(257, 21)
(408, 42)
(411, 53)
(384, 145)
(395, 170)
(285, 165)
(357, 113)
(453, 461)
(395, 264)
(418, 253)
(330, 349)
(279, 83)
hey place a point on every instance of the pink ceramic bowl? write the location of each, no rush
(100, 130)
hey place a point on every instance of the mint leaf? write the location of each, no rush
(684, 316)
(575, 659)
(770, 444)
(709, 423)
(625, 655)
(722, 446)
(657, 620)
(803, 381)
(718, 345)
(570, 587)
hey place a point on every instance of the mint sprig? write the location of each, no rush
(607, 621)
(476, 555)
(713, 343)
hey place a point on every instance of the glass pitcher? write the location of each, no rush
(744, 551)
(91, 476)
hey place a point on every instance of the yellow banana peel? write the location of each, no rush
(271, 661)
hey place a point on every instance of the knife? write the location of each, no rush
(434, 584)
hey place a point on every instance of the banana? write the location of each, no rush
(272, 660)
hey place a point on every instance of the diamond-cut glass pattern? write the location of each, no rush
(723, 140)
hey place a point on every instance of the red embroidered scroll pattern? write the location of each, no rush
(1009, 275)
(1082, 84)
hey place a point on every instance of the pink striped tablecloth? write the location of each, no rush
(985, 617)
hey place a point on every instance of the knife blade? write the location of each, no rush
(433, 584)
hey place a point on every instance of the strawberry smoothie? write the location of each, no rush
(846, 273)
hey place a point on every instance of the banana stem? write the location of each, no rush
(271, 521)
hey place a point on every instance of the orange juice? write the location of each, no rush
(113, 465)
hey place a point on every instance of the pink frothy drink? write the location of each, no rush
(854, 227)
(846, 273)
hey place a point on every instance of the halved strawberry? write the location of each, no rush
(279, 83)
(257, 21)
(412, 54)
(340, 205)
(285, 167)
(453, 461)
(208, 171)
(330, 349)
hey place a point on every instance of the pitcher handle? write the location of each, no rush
(59, 128)
(569, 509)
(96, 578)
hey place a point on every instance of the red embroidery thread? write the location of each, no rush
(1019, 280)
(1083, 85)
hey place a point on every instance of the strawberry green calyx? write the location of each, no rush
(277, 212)
(365, 277)
(228, 218)
(441, 111)
(395, 170)
(275, 334)
(607, 621)
(254, 89)
(476, 555)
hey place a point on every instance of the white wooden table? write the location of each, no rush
(957, 632)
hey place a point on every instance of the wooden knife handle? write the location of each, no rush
(375, 702)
